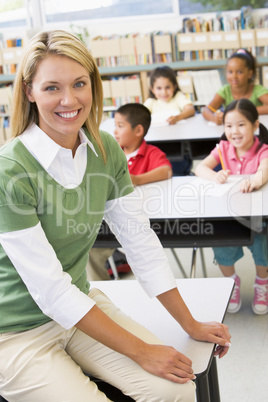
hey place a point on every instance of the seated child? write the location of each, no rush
(165, 96)
(146, 164)
(240, 74)
(242, 153)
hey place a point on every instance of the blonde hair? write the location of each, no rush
(61, 43)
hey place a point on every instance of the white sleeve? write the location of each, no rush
(143, 249)
(41, 271)
(182, 100)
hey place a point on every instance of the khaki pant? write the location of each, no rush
(96, 269)
(46, 364)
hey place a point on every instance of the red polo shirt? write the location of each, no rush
(148, 158)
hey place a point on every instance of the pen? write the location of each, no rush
(212, 109)
(220, 155)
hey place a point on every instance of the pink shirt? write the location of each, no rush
(148, 158)
(247, 164)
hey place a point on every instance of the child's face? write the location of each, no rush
(239, 130)
(163, 89)
(125, 135)
(237, 73)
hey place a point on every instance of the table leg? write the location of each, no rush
(178, 262)
(203, 263)
(213, 382)
(113, 267)
(202, 389)
(193, 266)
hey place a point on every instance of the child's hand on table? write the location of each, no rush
(222, 176)
(218, 118)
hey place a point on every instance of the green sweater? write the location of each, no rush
(70, 219)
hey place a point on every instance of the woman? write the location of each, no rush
(59, 176)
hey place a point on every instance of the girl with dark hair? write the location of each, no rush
(240, 74)
(242, 153)
(165, 95)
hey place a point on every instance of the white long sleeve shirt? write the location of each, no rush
(49, 285)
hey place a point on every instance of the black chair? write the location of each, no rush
(111, 392)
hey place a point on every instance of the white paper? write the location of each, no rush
(160, 119)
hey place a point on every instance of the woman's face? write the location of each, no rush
(61, 89)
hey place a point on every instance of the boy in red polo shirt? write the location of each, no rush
(146, 164)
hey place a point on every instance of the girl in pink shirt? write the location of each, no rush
(242, 153)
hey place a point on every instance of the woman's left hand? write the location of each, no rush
(213, 332)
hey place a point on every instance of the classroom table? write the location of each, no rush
(206, 298)
(194, 135)
(187, 211)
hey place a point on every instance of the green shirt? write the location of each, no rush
(258, 91)
(70, 218)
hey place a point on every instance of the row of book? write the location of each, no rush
(120, 90)
(5, 107)
(167, 47)
(4, 129)
(10, 53)
(131, 49)
(218, 37)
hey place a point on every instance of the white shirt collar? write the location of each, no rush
(134, 153)
(44, 148)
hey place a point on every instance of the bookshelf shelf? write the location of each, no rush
(176, 65)
(6, 78)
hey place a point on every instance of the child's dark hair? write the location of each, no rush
(249, 110)
(249, 59)
(136, 114)
(165, 72)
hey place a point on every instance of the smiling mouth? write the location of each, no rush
(68, 115)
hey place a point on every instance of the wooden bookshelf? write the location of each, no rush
(144, 69)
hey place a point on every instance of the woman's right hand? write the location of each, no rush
(166, 362)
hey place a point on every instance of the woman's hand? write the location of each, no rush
(213, 332)
(222, 176)
(166, 362)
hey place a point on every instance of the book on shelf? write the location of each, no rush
(2, 134)
(217, 38)
(185, 82)
(120, 90)
(265, 76)
(131, 49)
(5, 99)
(10, 55)
(206, 83)
(161, 47)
